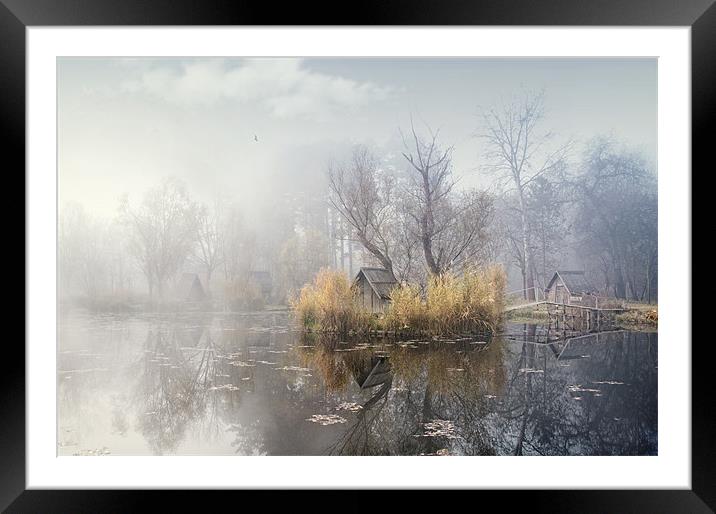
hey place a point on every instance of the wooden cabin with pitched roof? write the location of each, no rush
(570, 288)
(374, 286)
(190, 289)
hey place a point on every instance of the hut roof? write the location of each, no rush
(378, 373)
(381, 280)
(575, 281)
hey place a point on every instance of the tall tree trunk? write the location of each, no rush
(619, 282)
(526, 254)
(332, 238)
(342, 245)
(209, 271)
(426, 227)
(375, 252)
(350, 254)
(429, 258)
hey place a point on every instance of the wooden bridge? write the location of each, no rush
(572, 316)
(558, 343)
(519, 299)
(536, 303)
(519, 306)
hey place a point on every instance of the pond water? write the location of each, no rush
(232, 384)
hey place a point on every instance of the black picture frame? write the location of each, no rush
(16, 15)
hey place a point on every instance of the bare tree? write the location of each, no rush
(449, 224)
(616, 218)
(209, 238)
(518, 152)
(234, 238)
(300, 258)
(163, 232)
(82, 252)
(364, 201)
(547, 205)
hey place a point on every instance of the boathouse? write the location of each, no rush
(190, 289)
(374, 286)
(570, 288)
(262, 279)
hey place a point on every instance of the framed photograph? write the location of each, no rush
(433, 250)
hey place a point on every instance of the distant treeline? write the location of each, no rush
(547, 207)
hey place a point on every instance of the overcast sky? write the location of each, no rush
(124, 124)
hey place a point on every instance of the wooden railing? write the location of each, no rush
(516, 300)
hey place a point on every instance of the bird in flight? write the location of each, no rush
(256, 138)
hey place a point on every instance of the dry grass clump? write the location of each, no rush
(330, 364)
(639, 315)
(471, 302)
(407, 311)
(328, 305)
(483, 294)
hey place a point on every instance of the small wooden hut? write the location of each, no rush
(570, 288)
(263, 280)
(190, 289)
(374, 286)
(378, 371)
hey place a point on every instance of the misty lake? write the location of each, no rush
(249, 384)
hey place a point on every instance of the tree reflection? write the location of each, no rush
(255, 387)
(596, 397)
(434, 381)
(588, 395)
(171, 390)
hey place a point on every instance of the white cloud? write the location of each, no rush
(285, 87)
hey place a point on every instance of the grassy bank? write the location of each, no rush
(328, 305)
(451, 304)
(536, 314)
(639, 316)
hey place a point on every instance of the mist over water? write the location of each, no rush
(215, 215)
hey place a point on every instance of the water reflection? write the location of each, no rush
(249, 385)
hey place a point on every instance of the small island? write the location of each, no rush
(450, 304)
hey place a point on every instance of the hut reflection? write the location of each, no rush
(413, 385)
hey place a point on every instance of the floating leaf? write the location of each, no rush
(227, 387)
(293, 368)
(326, 419)
(439, 428)
(353, 407)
